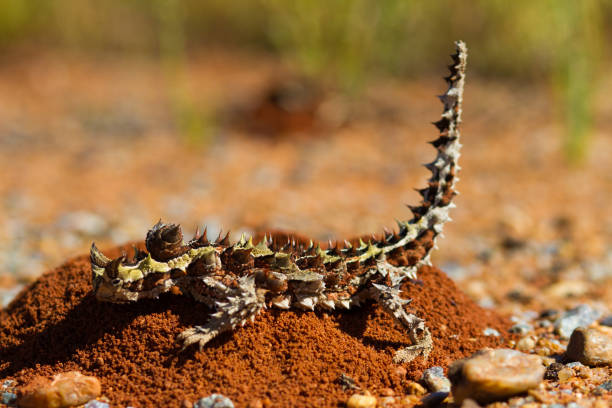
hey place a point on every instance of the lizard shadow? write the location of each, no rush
(355, 323)
(81, 328)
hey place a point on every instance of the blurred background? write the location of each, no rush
(309, 116)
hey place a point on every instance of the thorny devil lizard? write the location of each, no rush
(239, 280)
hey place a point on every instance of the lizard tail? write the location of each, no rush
(412, 245)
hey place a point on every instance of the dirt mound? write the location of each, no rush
(292, 358)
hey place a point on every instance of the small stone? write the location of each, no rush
(491, 375)
(553, 345)
(96, 404)
(490, 332)
(65, 390)
(592, 347)
(414, 388)
(8, 398)
(411, 400)
(574, 364)
(387, 402)
(565, 374)
(582, 315)
(544, 323)
(607, 386)
(434, 399)
(546, 361)
(606, 321)
(525, 344)
(214, 401)
(361, 401)
(521, 328)
(435, 380)
(552, 371)
(387, 392)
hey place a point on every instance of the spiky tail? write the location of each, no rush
(417, 236)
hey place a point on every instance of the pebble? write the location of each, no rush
(606, 321)
(214, 401)
(65, 390)
(582, 315)
(96, 404)
(521, 328)
(552, 371)
(435, 380)
(414, 388)
(8, 398)
(526, 344)
(565, 374)
(491, 375)
(433, 399)
(592, 346)
(490, 332)
(607, 386)
(361, 401)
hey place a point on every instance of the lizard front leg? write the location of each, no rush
(239, 306)
(390, 300)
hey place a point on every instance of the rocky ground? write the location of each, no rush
(89, 151)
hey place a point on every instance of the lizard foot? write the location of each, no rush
(422, 347)
(196, 334)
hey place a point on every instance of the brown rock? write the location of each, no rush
(65, 390)
(591, 346)
(491, 375)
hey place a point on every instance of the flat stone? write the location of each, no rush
(64, 390)
(582, 315)
(492, 375)
(435, 380)
(592, 347)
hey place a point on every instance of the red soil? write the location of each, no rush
(292, 358)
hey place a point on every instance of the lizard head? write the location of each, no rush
(149, 273)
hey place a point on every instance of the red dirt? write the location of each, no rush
(291, 358)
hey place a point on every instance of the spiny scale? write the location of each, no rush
(238, 280)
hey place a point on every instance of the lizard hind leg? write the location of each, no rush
(240, 306)
(390, 300)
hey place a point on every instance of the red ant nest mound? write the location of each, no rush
(292, 358)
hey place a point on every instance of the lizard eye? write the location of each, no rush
(116, 282)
